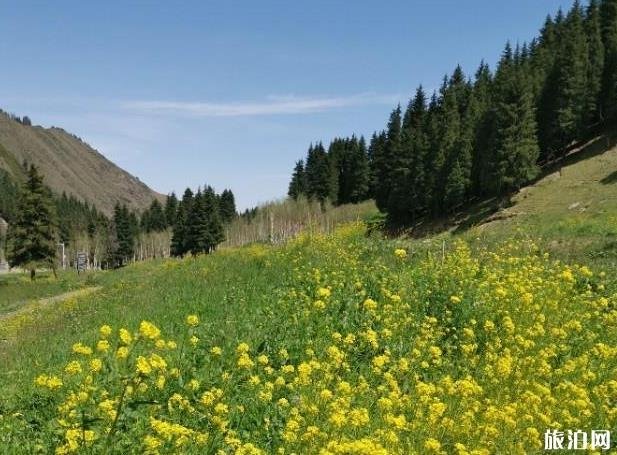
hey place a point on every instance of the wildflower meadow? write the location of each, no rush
(330, 344)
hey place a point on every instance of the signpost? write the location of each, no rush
(82, 260)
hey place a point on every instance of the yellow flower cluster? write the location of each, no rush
(192, 320)
(470, 353)
(148, 330)
(50, 382)
(400, 253)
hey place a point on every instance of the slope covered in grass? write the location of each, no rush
(337, 344)
(571, 211)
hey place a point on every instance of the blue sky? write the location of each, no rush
(231, 93)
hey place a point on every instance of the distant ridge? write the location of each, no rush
(70, 165)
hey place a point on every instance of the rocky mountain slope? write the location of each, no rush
(70, 165)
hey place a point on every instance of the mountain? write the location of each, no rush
(69, 165)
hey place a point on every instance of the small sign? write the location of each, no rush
(82, 261)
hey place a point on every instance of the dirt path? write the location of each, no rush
(50, 300)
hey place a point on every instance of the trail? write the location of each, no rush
(50, 301)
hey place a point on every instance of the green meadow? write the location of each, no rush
(472, 341)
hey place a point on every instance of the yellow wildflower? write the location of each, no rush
(149, 330)
(81, 349)
(142, 366)
(125, 336)
(73, 367)
(105, 331)
(96, 365)
(400, 253)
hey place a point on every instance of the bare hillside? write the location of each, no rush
(70, 165)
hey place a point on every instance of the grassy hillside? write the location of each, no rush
(476, 340)
(571, 209)
(70, 165)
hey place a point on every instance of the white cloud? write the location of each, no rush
(274, 105)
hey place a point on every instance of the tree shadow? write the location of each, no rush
(583, 150)
(472, 214)
(483, 212)
(609, 179)
(479, 212)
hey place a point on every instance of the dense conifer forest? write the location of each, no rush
(193, 225)
(479, 136)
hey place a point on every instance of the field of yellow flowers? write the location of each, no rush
(337, 344)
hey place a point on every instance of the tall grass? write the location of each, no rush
(278, 221)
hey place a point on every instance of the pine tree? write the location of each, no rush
(572, 71)
(197, 230)
(179, 239)
(376, 152)
(155, 217)
(32, 235)
(124, 232)
(516, 146)
(406, 198)
(215, 225)
(204, 229)
(400, 171)
(359, 173)
(608, 96)
(480, 168)
(456, 186)
(461, 88)
(297, 186)
(420, 145)
(171, 208)
(433, 134)
(460, 162)
(384, 160)
(134, 223)
(144, 222)
(337, 162)
(227, 206)
(446, 147)
(352, 169)
(457, 183)
(318, 174)
(595, 67)
(543, 57)
(9, 195)
(546, 84)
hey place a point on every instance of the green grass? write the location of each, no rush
(265, 296)
(571, 211)
(16, 289)
(227, 291)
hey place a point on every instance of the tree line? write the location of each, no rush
(40, 223)
(74, 222)
(482, 136)
(196, 223)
